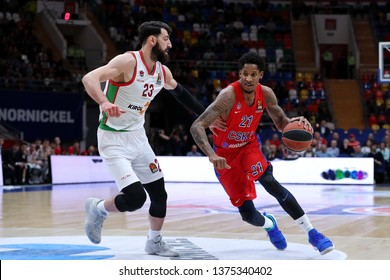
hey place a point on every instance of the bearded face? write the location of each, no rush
(160, 54)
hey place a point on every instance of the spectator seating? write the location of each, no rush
(377, 100)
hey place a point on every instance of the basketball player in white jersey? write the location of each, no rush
(133, 80)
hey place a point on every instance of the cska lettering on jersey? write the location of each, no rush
(240, 136)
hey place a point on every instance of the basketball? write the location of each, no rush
(295, 137)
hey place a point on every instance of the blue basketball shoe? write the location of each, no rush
(275, 235)
(320, 242)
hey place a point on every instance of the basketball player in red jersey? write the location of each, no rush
(237, 156)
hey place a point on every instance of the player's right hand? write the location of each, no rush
(304, 121)
(111, 110)
(219, 162)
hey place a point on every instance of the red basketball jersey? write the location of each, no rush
(242, 120)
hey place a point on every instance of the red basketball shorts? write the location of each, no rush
(247, 164)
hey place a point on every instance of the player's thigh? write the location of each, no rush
(254, 162)
(114, 150)
(147, 166)
(237, 185)
(122, 171)
(235, 180)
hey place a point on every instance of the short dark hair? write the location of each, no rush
(152, 28)
(251, 58)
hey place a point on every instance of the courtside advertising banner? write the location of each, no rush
(332, 171)
(43, 114)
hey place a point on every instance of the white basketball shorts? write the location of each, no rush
(128, 157)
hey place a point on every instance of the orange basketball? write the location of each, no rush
(295, 137)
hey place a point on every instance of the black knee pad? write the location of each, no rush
(158, 198)
(250, 215)
(132, 198)
(272, 186)
(282, 195)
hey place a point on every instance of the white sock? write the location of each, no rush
(268, 224)
(153, 234)
(304, 223)
(101, 207)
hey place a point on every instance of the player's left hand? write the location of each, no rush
(219, 124)
(304, 121)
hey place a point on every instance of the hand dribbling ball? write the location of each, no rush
(295, 137)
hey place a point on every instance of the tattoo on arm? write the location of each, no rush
(274, 110)
(199, 134)
(219, 107)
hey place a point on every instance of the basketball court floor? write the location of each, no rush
(47, 223)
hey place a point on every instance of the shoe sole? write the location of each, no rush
(327, 250)
(169, 253)
(172, 255)
(166, 256)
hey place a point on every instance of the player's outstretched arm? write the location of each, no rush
(182, 94)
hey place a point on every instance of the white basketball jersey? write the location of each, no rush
(134, 96)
